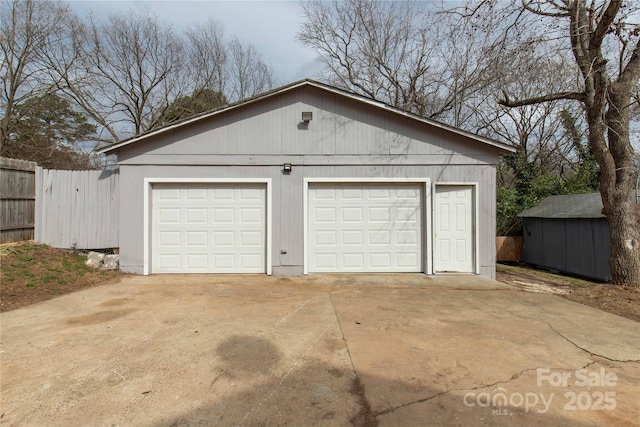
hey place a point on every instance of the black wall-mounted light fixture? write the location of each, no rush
(307, 116)
(286, 168)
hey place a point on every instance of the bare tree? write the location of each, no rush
(247, 73)
(135, 67)
(124, 72)
(207, 55)
(28, 30)
(402, 54)
(131, 71)
(607, 82)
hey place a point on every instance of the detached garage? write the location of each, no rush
(305, 179)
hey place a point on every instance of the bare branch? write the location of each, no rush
(574, 96)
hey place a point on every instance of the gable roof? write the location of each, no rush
(110, 149)
(569, 206)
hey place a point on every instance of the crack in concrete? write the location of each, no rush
(365, 417)
(585, 350)
(426, 399)
(514, 376)
(559, 334)
(372, 417)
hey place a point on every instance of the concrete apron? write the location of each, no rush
(317, 350)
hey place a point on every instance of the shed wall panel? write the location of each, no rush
(553, 244)
(602, 248)
(576, 246)
(580, 256)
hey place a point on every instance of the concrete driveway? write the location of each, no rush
(319, 350)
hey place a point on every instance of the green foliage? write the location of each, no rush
(200, 101)
(530, 184)
(587, 175)
(523, 183)
(47, 130)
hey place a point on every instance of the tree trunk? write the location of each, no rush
(616, 185)
(624, 230)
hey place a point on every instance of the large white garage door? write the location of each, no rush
(356, 227)
(208, 228)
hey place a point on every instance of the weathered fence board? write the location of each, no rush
(17, 199)
(77, 209)
(509, 248)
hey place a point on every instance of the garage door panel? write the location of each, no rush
(223, 215)
(168, 194)
(325, 215)
(352, 238)
(380, 261)
(324, 194)
(168, 216)
(376, 229)
(407, 260)
(325, 238)
(408, 214)
(352, 214)
(352, 261)
(197, 238)
(224, 262)
(379, 237)
(208, 228)
(169, 238)
(379, 214)
(251, 238)
(407, 237)
(326, 261)
(251, 261)
(351, 194)
(170, 261)
(251, 215)
(196, 194)
(251, 194)
(196, 216)
(223, 238)
(197, 261)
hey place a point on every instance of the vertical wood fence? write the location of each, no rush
(509, 248)
(77, 209)
(17, 199)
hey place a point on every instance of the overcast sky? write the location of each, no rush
(271, 26)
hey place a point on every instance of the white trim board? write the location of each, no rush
(148, 186)
(427, 256)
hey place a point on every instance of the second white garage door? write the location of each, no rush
(208, 228)
(357, 227)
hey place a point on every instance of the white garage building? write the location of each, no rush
(303, 179)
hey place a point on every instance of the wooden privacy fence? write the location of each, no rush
(509, 248)
(77, 209)
(17, 199)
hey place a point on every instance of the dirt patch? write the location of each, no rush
(31, 273)
(620, 300)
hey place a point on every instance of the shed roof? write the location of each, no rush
(569, 206)
(113, 148)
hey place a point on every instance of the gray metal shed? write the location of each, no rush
(568, 234)
(308, 178)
